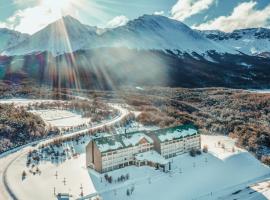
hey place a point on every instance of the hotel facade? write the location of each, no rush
(151, 148)
(175, 141)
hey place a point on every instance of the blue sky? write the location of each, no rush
(30, 16)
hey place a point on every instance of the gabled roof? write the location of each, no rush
(177, 132)
(115, 142)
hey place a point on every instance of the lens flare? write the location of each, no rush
(56, 6)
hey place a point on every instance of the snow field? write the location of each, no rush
(68, 175)
(208, 176)
(61, 118)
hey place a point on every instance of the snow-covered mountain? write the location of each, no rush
(63, 36)
(253, 41)
(159, 32)
(10, 38)
(146, 32)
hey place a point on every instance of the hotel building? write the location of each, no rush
(141, 148)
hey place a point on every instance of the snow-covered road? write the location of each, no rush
(7, 158)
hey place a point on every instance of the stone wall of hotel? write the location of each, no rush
(93, 156)
(89, 155)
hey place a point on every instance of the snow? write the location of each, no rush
(10, 38)
(176, 134)
(42, 186)
(217, 149)
(208, 176)
(135, 138)
(112, 146)
(61, 118)
(58, 118)
(146, 32)
(246, 65)
(249, 47)
(12, 164)
(214, 175)
(52, 38)
(249, 41)
(24, 102)
(139, 88)
(262, 91)
(136, 113)
(70, 168)
(151, 156)
(120, 141)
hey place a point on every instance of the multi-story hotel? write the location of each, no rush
(141, 148)
(171, 142)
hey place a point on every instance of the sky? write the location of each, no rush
(30, 16)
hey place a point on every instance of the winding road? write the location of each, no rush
(8, 158)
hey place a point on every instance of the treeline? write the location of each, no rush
(18, 127)
(237, 113)
(95, 109)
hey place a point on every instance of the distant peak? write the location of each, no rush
(69, 18)
(157, 21)
(152, 17)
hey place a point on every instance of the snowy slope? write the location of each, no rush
(206, 177)
(251, 41)
(64, 35)
(146, 32)
(159, 32)
(10, 38)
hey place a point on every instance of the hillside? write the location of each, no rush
(252, 41)
(10, 38)
(17, 127)
(110, 68)
(240, 114)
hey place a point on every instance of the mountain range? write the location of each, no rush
(147, 32)
(149, 50)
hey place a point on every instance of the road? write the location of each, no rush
(9, 157)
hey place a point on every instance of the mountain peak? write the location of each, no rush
(157, 22)
(70, 18)
(67, 20)
(10, 38)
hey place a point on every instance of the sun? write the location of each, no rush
(57, 5)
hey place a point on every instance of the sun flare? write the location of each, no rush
(58, 6)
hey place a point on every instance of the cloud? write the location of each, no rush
(117, 21)
(30, 20)
(159, 12)
(245, 15)
(33, 19)
(3, 25)
(184, 9)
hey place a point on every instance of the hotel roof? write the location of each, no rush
(115, 142)
(120, 141)
(177, 132)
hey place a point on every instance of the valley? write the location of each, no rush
(138, 107)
